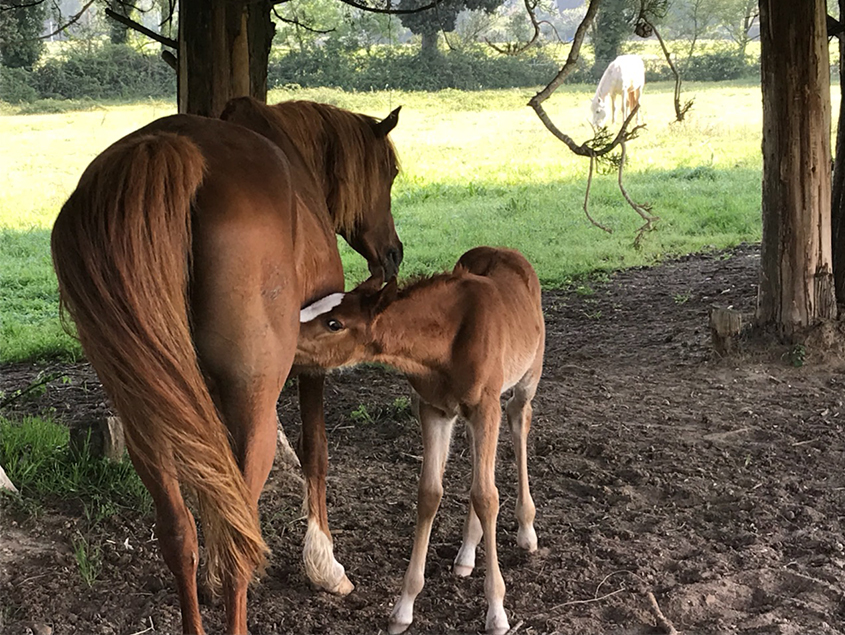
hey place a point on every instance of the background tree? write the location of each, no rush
(442, 17)
(610, 28)
(689, 21)
(21, 24)
(738, 18)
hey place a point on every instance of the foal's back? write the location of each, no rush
(515, 306)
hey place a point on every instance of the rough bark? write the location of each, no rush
(796, 282)
(837, 204)
(214, 55)
(261, 31)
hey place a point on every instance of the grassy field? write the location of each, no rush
(477, 168)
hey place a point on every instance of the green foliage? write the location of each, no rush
(16, 85)
(442, 17)
(89, 559)
(109, 72)
(20, 28)
(402, 69)
(612, 25)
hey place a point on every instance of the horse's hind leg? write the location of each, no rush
(519, 420)
(318, 552)
(248, 406)
(177, 536)
(437, 435)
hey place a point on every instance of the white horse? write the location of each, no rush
(624, 77)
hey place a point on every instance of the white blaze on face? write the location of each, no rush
(321, 306)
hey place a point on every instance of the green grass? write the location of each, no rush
(477, 168)
(35, 454)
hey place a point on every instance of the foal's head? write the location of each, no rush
(337, 330)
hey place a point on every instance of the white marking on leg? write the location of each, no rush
(465, 560)
(321, 306)
(320, 565)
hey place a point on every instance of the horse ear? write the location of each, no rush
(370, 286)
(387, 295)
(383, 127)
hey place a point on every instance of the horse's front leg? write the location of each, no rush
(437, 435)
(318, 553)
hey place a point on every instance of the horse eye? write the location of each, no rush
(334, 325)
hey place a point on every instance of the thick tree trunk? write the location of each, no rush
(796, 283)
(261, 31)
(837, 203)
(429, 44)
(223, 52)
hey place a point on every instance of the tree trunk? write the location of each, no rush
(429, 43)
(223, 52)
(261, 31)
(796, 282)
(837, 204)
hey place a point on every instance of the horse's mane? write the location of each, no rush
(348, 158)
(422, 281)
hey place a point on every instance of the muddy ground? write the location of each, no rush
(717, 484)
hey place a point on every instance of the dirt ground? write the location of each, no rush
(715, 483)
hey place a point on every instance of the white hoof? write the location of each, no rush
(400, 617)
(526, 538)
(497, 621)
(464, 562)
(462, 570)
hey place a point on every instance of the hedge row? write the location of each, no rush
(120, 72)
(109, 72)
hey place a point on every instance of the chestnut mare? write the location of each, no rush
(462, 339)
(184, 256)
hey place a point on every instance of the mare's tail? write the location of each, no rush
(122, 253)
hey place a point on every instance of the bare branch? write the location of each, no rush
(73, 20)
(296, 22)
(171, 60)
(642, 210)
(140, 28)
(571, 60)
(680, 111)
(389, 10)
(516, 49)
(587, 199)
(23, 5)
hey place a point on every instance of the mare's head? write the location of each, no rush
(355, 164)
(336, 330)
(598, 108)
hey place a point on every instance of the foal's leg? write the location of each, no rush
(437, 435)
(465, 560)
(177, 536)
(484, 424)
(519, 419)
(318, 553)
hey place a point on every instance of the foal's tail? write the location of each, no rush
(122, 253)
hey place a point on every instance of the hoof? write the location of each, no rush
(401, 616)
(527, 539)
(497, 624)
(462, 570)
(343, 587)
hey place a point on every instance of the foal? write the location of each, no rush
(463, 339)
